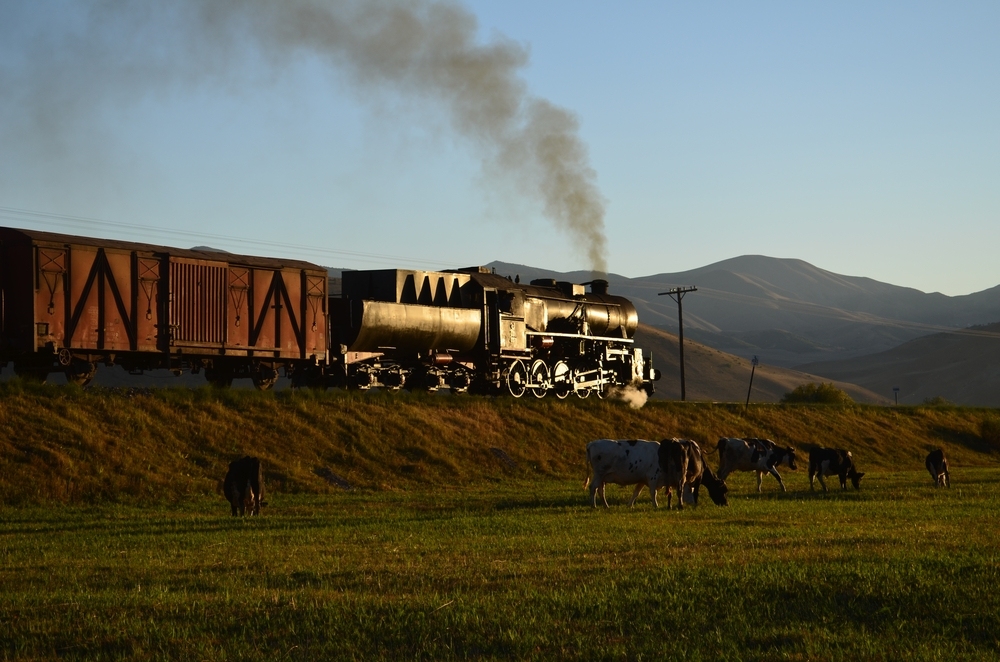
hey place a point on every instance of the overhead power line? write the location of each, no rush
(64, 221)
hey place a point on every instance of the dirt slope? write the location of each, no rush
(711, 374)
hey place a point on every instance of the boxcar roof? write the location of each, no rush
(191, 253)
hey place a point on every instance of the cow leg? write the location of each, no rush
(635, 494)
(604, 497)
(760, 478)
(947, 477)
(680, 495)
(821, 481)
(595, 486)
(652, 491)
(774, 472)
(670, 496)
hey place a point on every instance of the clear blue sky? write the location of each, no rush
(862, 137)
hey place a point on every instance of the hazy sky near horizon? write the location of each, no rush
(862, 137)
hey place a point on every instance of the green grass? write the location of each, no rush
(519, 569)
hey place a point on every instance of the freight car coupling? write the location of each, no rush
(69, 302)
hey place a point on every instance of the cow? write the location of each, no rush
(760, 455)
(624, 462)
(244, 486)
(686, 469)
(829, 462)
(937, 465)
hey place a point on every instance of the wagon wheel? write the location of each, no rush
(562, 379)
(80, 373)
(517, 378)
(264, 378)
(539, 378)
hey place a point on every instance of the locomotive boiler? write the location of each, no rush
(68, 303)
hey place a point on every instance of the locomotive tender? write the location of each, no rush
(68, 303)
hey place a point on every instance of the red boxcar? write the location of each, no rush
(69, 302)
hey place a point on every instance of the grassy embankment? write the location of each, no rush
(71, 445)
(465, 555)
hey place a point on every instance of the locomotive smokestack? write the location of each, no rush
(418, 48)
(599, 286)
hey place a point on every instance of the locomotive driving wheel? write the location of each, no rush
(562, 379)
(517, 378)
(539, 378)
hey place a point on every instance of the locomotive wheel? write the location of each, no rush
(517, 378)
(583, 393)
(562, 379)
(539, 378)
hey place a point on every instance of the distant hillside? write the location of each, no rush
(789, 312)
(962, 367)
(711, 374)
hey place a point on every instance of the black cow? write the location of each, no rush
(244, 486)
(937, 465)
(829, 462)
(685, 469)
(759, 455)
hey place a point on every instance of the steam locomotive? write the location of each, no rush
(68, 303)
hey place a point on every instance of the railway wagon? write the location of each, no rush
(471, 329)
(68, 303)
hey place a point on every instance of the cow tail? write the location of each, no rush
(586, 481)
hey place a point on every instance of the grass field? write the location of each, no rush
(514, 569)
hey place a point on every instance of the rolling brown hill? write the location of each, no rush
(713, 375)
(961, 367)
(788, 311)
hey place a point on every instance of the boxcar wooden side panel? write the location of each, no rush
(238, 318)
(148, 303)
(50, 300)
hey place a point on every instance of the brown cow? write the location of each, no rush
(244, 486)
(686, 469)
(937, 465)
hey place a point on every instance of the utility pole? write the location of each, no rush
(753, 367)
(677, 293)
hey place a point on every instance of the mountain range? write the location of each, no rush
(845, 329)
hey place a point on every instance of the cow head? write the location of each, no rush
(855, 478)
(790, 455)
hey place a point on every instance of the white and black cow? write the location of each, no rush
(830, 462)
(624, 462)
(686, 469)
(244, 486)
(937, 465)
(760, 455)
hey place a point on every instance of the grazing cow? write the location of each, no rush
(760, 455)
(829, 462)
(937, 465)
(686, 469)
(244, 486)
(624, 462)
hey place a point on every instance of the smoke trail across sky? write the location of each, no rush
(124, 51)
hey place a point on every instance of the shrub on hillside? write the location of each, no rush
(989, 430)
(936, 401)
(827, 394)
